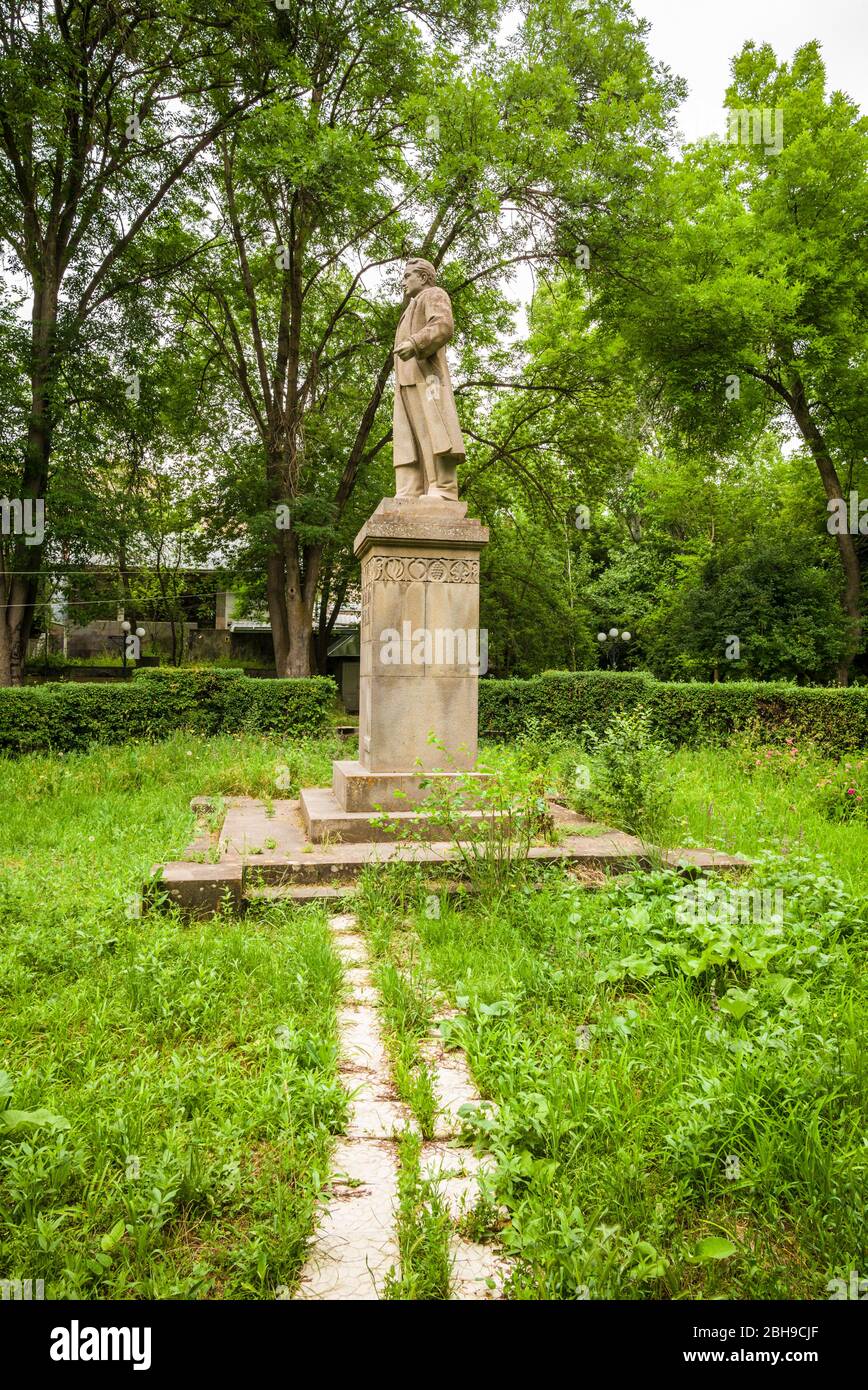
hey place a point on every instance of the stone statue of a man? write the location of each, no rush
(427, 440)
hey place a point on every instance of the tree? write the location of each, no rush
(743, 295)
(393, 149)
(105, 108)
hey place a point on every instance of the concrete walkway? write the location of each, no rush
(355, 1247)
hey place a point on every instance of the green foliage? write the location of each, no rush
(156, 703)
(783, 609)
(407, 1013)
(742, 308)
(23, 1121)
(492, 820)
(689, 713)
(189, 1073)
(424, 1229)
(844, 792)
(632, 784)
(531, 591)
(651, 1141)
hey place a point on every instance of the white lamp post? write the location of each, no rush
(614, 642)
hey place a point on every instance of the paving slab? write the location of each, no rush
(478, 1271)
(376, 1118)
(457, 1172)
(354, 1246)
(453, 1083)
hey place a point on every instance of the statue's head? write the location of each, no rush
(418, 274)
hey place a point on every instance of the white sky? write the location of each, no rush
(698, 39)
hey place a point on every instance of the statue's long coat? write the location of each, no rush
(427, 320)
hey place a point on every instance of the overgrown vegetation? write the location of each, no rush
(685, 1129)
(632, 784)
(676, 1065)
(178, 1083)
(679, 1099)
(423, 1228)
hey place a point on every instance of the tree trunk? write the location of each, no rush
(290, 604)
(19, 587)
(276, 591)
(851, 598)
(329, 609)
(16, 620)
(300, 635)
(323, 627)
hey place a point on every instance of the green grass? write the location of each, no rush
(723, 799)
(744, 799)
(636, 1118)
(193, 1067)
(407, 1015)
(680, 1108)
(423, 1228)
(657, 1085)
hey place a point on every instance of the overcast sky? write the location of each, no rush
(698, 38)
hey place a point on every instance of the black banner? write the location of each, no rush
(59, 1340)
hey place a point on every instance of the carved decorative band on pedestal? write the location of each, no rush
(412, 568)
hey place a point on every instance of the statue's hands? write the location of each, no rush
(406, 349)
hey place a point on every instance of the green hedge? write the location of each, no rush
(160, 700)
(156, 703)
(681, 712)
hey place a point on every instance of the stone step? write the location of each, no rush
(326, 820)
(265, 846)
(296, 892)
(357, 788)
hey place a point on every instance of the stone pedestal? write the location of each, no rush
(420, 635)
(420, 663)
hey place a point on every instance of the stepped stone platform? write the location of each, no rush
(377, 807)
(263, 850)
